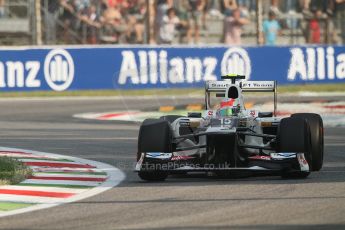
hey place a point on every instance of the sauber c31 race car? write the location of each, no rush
(228, 138)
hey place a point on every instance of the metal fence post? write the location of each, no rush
(38, 22)
(259, 20)
(147, 22)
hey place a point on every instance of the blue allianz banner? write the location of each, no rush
(139, 67)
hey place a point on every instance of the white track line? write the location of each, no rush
(61, 182)
(19, 156)
(45, 161)
(115, 176)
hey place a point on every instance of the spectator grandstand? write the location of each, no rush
(194, 21)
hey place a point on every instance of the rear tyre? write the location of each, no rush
(153, 176)
(154, 136)
(294, 136)
(317, 138)
(170, 118)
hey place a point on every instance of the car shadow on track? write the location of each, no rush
(326, 175)
(211, 200)
(266, 227)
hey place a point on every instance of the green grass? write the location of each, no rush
(12, 171)
(340, 87)
(100, 93)
(8, 206)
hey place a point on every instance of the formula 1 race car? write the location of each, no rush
(228, 138)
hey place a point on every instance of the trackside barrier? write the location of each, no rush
(144, 67)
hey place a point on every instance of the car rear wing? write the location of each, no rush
(246, 86)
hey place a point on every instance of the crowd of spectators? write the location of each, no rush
(2, 8)
(109, 21)
(183, 21)
(320, 20)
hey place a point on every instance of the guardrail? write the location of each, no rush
(142, 67)
(16, 22)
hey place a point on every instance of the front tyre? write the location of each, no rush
(155, 136)
(317, 138)
(294, 137)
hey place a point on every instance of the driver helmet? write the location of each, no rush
(229, 107)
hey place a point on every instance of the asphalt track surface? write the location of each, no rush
(179, 203)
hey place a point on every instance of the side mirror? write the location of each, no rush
(194, 115)
(265, 114)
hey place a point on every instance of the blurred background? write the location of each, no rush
(230, 22)
(78, 76)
